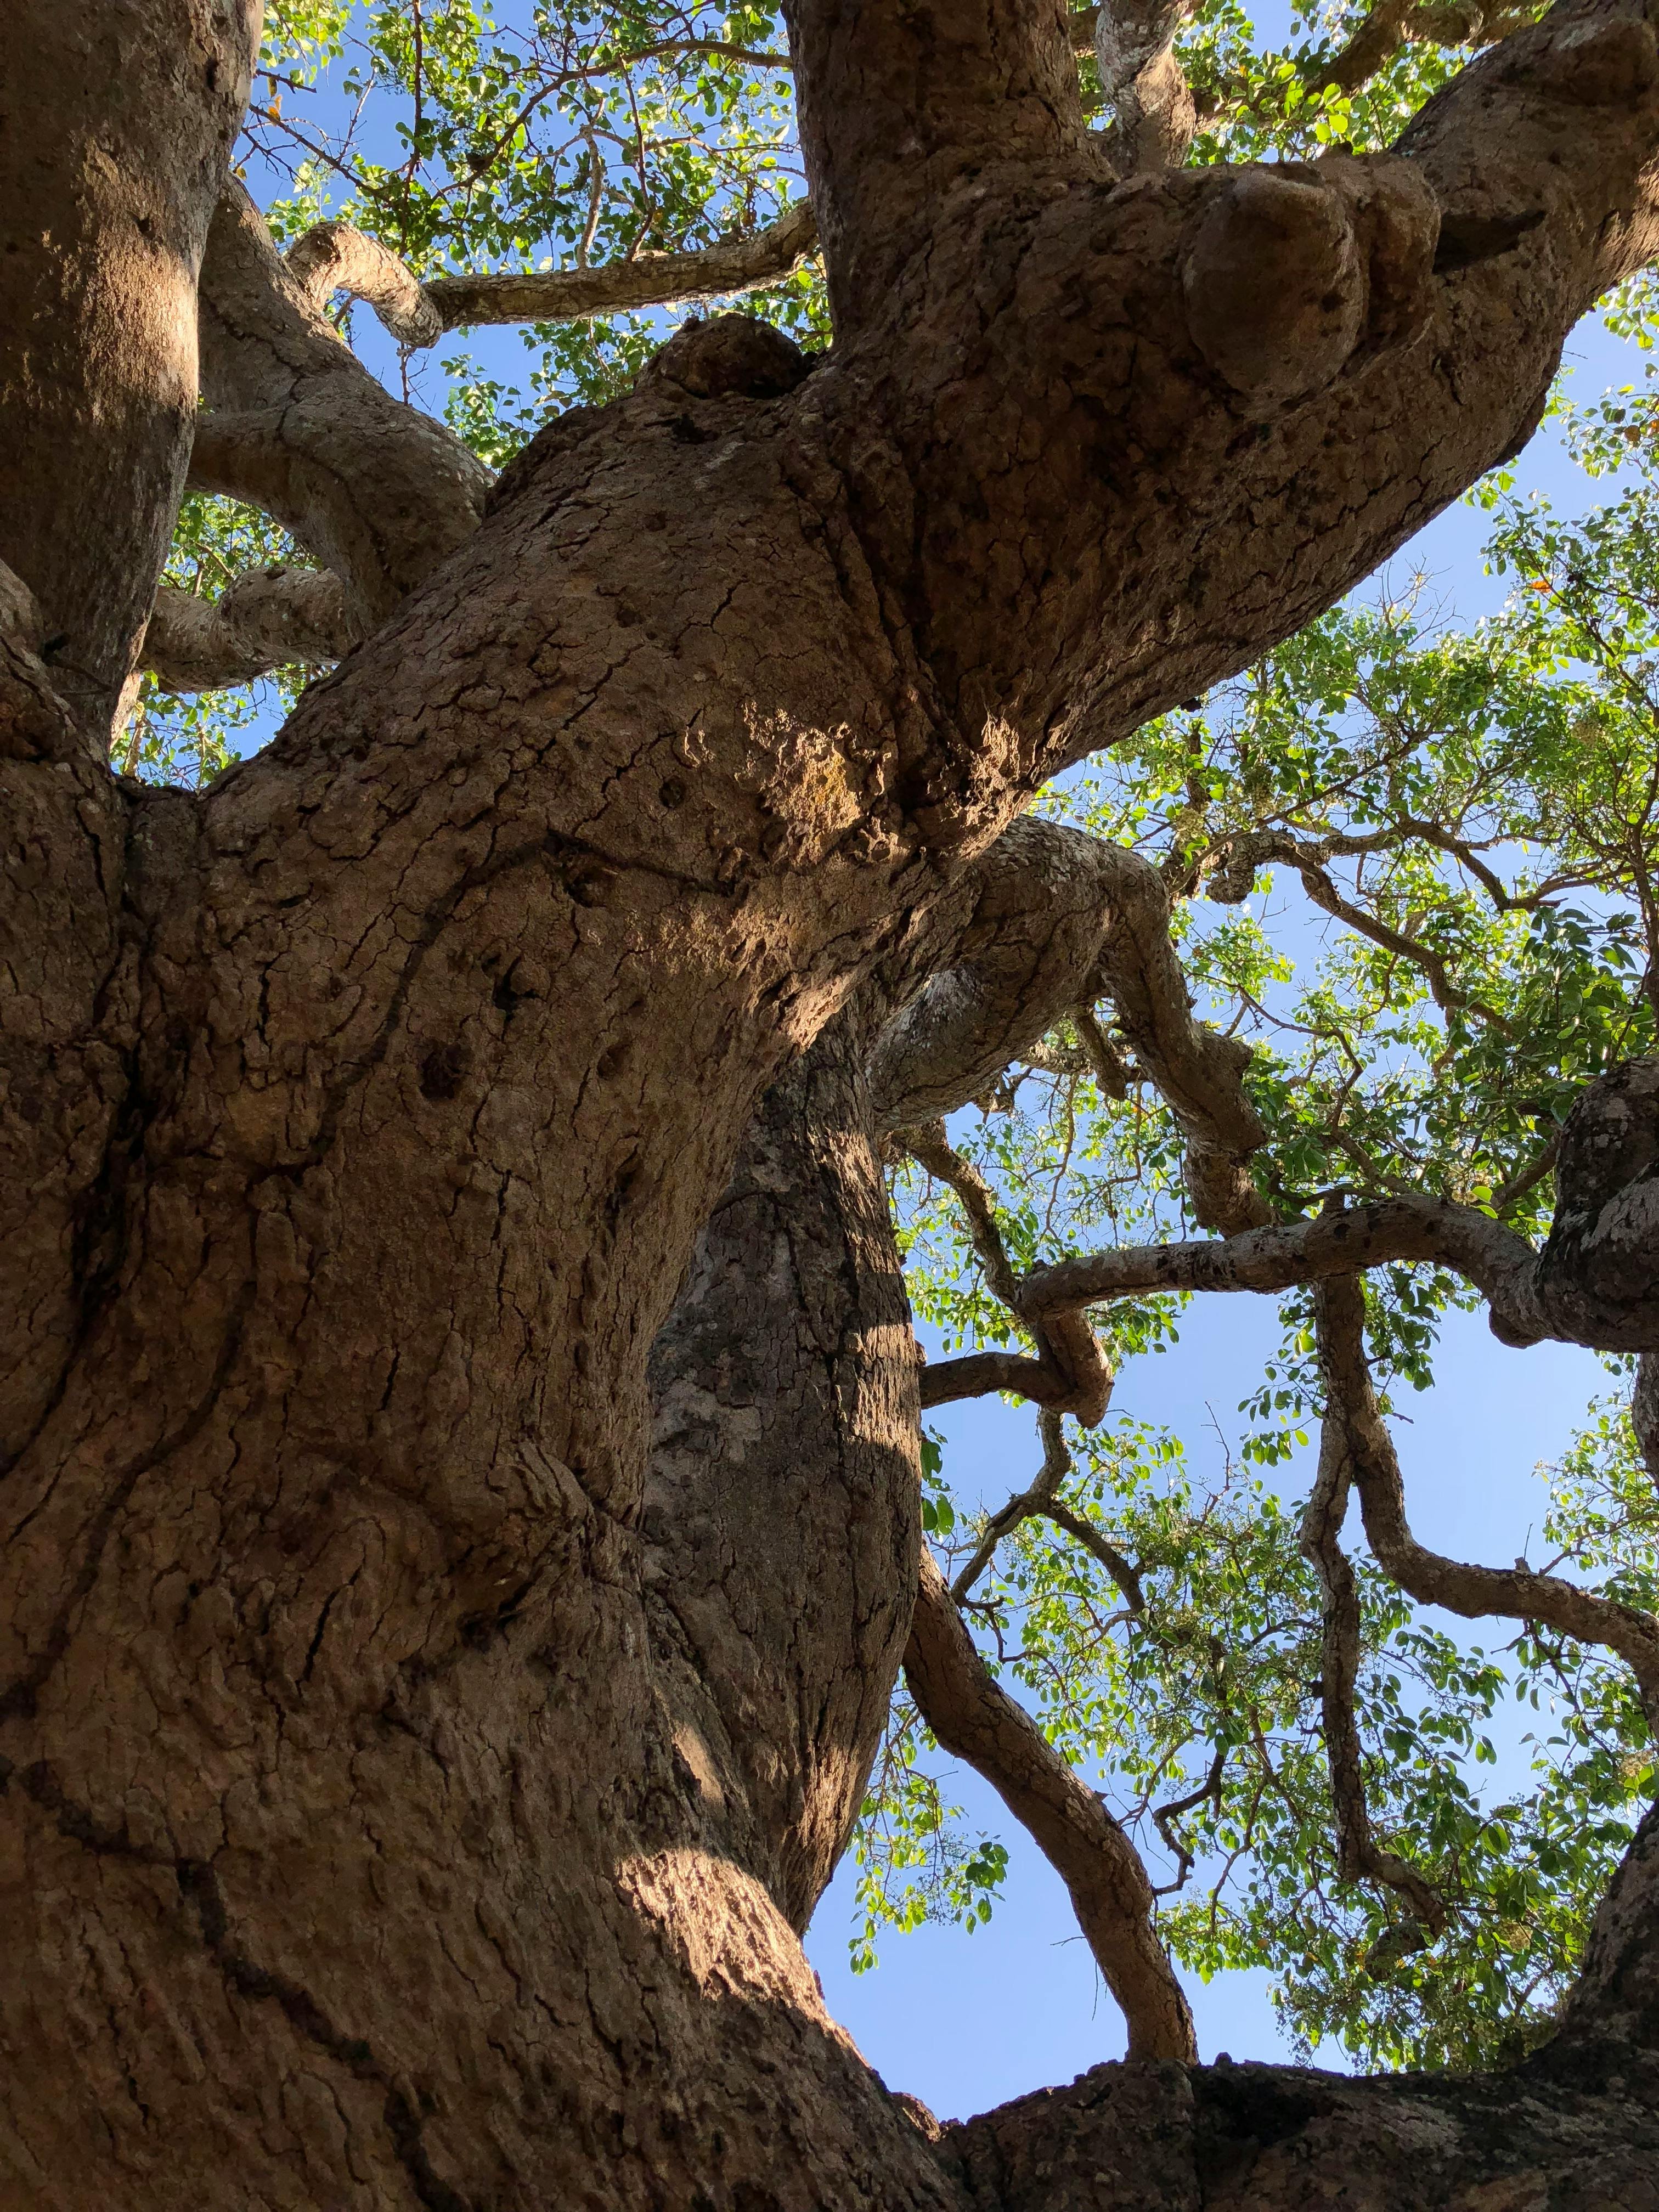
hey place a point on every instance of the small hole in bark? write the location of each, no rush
(443, 1071)
(684, 432)
(590, 885)
(672, 793)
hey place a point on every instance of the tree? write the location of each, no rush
(420, 1754)
(1471, 810)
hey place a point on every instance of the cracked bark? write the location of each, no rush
(361, 1114)
(1154, 116)
(269, 618)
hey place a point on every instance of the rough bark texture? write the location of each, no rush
(378, 492)
(781, 1502)
(781, 1514)
(1154, 117)
(387, 1814)
(115, 124)
(269, 618)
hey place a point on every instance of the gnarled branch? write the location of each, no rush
(1199, 1071)
(1154, 115)
(1596, 1282)
(1359, 1434)
(377, 491)
(270, 618)
(1360, 1857)
(975, 1720)
(1044, 902)
(1392, 24)
(333, 257)
(1064, 918)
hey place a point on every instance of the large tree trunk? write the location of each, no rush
(412, 1790)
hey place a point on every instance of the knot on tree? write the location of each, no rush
(1601, 64)
(1232, 880)
(1601, 1265)
(1292, 274)
(728, 354)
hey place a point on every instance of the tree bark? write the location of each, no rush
(115, 125)
(412, 1787)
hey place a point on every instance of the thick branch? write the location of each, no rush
(978, 1374)
(334, 258)
(1596, 1282)
(1393, 23)
(1616, 2000)
(1199, 1071)
(1044, 902)
(377, 491)
(270, 619)
(1276, 1257)
(977, 1720)
(897, 105)
(1644, 1412)
(35, 721)
(1062, 919)
(1379, 35)
(1471, 1591)
(1105, 1061)
(105, 202)
(653, 280)
(1155, 116)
